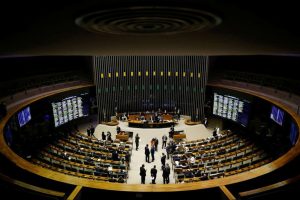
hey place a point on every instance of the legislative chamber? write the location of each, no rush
(147, 126)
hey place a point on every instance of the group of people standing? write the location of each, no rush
(151, 150)
(90, 130)
(106, 137)
(153, 173)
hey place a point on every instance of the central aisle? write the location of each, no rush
(138, 157)
(146, 134)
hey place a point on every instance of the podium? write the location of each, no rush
(122, 136)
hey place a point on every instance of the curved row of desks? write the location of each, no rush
(22, 163)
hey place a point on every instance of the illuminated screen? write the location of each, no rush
(24, 116)
(231, 107)
(293, 133)
(277, 115)
(70, 108)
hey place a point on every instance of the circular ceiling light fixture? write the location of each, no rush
(148, 20)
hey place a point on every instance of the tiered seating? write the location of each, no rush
(86, 157)
(216, 157)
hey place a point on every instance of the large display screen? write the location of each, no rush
(293, 133)
(231, 107)
(24, 116)
(70, 108)
(277, 115)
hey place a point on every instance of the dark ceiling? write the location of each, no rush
(246, 28)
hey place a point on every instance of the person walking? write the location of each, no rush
(143, 174)
(137, 141)
(153, 174)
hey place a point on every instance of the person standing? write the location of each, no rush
(166, 174)
(153, 174)
(168, 150)
(163, 160)
(156, 143)
(205, 122)
(118, 129)
(164, 141)
(143, 174)
(171, 133)
(103, 136)
(137, 141)
(88, 131)
(215, 133)
(152, 151)
(147, 153)
(92, 130)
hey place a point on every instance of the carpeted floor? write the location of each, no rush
(146, 134)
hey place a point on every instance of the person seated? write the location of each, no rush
(121, 179)
(189, 174)
(215, 132)
(191, 160)
(180, 148)
(89, 160)
(197, 173)
(124, 117)
(204, 177)
(115, 155)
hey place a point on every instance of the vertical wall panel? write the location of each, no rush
(142, 92)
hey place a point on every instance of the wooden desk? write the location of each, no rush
(179, 136)
(122, 137)
(141, 124)
(189, 122)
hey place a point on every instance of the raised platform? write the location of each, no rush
(111, 123)
(141, 124)
(189, 122)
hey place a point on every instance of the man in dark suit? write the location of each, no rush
(143, 174)
(103, 136)
(166, 174)
(164, 141)
(153, 174)
(163, 160)
(88, 131)
(137, 141)
(147, 153)
(115, 155)
(92, 130)
(118, 129)
(152, 151)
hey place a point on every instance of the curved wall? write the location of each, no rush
(146, 83)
